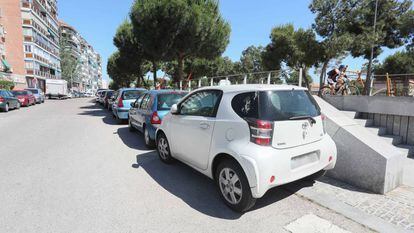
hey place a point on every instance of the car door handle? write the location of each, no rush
(204, 125)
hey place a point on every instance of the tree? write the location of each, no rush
(329, 15)
(388, 31)
(68, 61)
(117, 70)
(298, 49)
(204, 34)
(398, 63)
(132, 53)
(178, 30)
(251, 59)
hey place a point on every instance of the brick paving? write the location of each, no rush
(396, 207)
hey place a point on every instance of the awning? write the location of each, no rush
(6, 64)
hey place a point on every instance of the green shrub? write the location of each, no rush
(6, 84)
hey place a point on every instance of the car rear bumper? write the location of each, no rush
(122, 113)
(261, 163)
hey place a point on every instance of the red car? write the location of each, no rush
(26, 98)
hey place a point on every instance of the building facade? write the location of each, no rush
(88, 75)
(12, 66)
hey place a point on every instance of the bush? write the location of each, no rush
(6, 84)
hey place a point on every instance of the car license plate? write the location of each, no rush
(304, 159)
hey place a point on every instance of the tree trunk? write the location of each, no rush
(154, 69)
(367, 87)
(321, 78)
(180, 67)
(305, 78)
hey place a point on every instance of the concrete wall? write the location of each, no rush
(396, 114)
(363, 160)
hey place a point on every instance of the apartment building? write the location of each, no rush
(88, 76)
(11, 43)
(31, 41)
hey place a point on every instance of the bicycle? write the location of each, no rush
(345, 89)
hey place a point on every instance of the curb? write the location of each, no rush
(327, 201)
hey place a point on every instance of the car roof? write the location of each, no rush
(132, 89)
(252, 87)
(167, 91)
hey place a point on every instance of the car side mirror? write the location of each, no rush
(174, 109)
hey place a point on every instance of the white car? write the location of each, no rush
(248, 138)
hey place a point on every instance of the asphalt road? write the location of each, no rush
(66, 166)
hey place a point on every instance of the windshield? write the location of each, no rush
(131, 94)
(165, 101)
(285, 105)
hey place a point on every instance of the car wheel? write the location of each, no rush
(18, 105)
(316, 176)
(163, 149)
(148, 141)
(233, 186)
(6, 108)
(130, 126)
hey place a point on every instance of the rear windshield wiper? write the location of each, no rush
(312, 120)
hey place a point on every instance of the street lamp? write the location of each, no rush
(369, 72)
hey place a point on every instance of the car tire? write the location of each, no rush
(229, 177)
(149, 143)
(18, 105)
(130, 126)
(163, 149)
(6, 108)
(316, 176)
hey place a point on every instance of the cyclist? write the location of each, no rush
(335, 78)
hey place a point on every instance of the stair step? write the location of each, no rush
(392, 139)
(365, 122)
(351, 114)
(406, 149)
(377, 130)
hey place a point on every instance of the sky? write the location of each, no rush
(251, 23)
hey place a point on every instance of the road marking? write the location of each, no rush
(311, 223)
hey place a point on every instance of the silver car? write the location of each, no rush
(38, 94)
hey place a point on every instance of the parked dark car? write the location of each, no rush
(107, 97)
(26, 98)
(8, 101)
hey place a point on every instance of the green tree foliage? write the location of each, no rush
(398, 63)
(68, 61)
(117, 69)
(297, 48)
(329, 15)
(251, 59)
(132, 53)
(390, 30)
(6, 84)
(178, 30)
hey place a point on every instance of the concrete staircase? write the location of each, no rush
(395, 140)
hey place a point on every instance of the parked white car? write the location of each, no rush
(248, 138)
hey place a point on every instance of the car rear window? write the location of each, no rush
(19, 92)
(275, 105)
(34, 91)
(165, 101)
(131, 94)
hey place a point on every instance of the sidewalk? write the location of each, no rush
(393, 212)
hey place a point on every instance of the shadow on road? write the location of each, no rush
(197, 190)
(133, 140)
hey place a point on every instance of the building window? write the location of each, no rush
(28, 48)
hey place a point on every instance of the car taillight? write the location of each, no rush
(155, 119)
(120, 103)
(261, 132)
(1, 99)
(323, 117)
